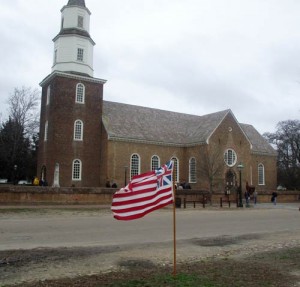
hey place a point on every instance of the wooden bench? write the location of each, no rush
(204, 200)
(228, 200)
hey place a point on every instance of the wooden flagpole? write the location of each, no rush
(174, 225)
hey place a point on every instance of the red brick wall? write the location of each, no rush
(46, 195)
(60, 147)
(118, 154)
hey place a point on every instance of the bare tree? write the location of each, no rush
(212, 166)
(18, 134)
(23, 109)
(287, 142)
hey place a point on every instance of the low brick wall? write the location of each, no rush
(13, 194)
(10, 194)
(263, 196)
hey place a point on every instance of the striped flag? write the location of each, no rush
(144, 194)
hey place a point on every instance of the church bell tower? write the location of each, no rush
(71, 106)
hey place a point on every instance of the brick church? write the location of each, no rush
(86, 141)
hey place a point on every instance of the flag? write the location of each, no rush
(145, 193)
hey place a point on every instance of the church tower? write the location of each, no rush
(71, 106)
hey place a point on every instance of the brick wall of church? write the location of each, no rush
(60, 147)
(227, 135)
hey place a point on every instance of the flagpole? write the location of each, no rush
(174, 226)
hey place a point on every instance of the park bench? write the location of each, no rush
(228, 200)
(202, 200)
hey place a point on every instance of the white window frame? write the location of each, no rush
(176, 169)
(135, 165)
(78, 130)
(230, 157)
(55, 57)
(76, 170)
(192, 170)
(155, 162)
(80, 93)
(80, 21)
(48, 95)
(261, 174)
(46, 131)
(80, 54)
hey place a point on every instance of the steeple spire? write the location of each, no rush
(76, 3)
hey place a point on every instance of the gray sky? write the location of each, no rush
(190, 56)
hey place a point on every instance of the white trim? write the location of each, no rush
(158, 163)
(176, 162)
(260, 165)
(80, 170)
(195, 171)
(71, 76)
(46, 131)
(75, 130)
(139, 165)
(83, 94)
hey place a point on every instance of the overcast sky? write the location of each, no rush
(189, 56)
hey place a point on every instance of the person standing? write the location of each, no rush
(255, 197)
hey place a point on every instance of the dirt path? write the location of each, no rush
(18, 266)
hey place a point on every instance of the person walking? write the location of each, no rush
(274, 197)
(247, 198)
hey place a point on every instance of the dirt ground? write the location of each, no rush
(241, 257)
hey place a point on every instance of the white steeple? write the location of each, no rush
(73, 46)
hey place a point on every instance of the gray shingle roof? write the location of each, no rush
(142, 124)
(76, 2)
(259, 143)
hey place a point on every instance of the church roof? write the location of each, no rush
(76, 3)
(259, 143)
(142, 124)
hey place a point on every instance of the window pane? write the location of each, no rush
(76, 170)
(175, 170)
(80, 93)
(230, 157)
(55, 56)
(79, 54)
(261, 174)
(135, 163)
(192, 170)
(78, 130)
(48, 95)
(80, 21)
(155, 162)
(46, 131)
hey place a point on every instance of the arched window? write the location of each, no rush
(261, 174)
(48, 95)
(230, 157)
(76, 169)
(192, 170)
(46, 131)
(78, 130)
(134, 165)
(176, 169)
(80, 93)
(155, 162)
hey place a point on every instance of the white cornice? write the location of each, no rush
(71, 76)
